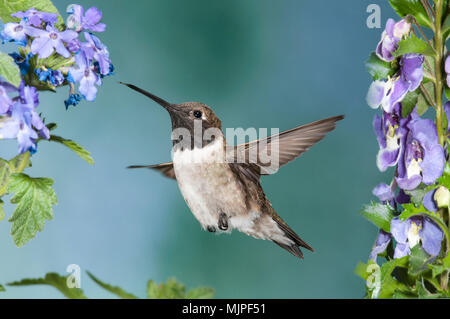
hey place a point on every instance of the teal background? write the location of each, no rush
(258, 63)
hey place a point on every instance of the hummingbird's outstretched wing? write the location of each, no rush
(285, 147)
(165, 168)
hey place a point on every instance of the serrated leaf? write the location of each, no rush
(378, 68)
(20, 162)
(34, 198)
(379, 214)
(200, 293)
(170, 290)
(413, 45)
(388, 283)
(112, 289)
(409, 103)
(412, 7)
(54, 280)
(9, 70)
(84, 154)
(7, 7)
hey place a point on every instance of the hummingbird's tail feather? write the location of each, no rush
(290, 233)
(293, 249)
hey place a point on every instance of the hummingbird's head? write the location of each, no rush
(184, 115)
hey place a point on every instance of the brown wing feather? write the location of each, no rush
(166, 168)
(288, 145)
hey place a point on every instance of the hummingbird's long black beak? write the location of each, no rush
(168, 106)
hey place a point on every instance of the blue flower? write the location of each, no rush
(416, 229)
(381, 244)
(79, 20)
(15, 32)
(392, 34)
(84, 74)
(35, 17)
(48, 40)
(94, 49)
(389, 93)
(55, 77)
(21, 121)
(23, 63)
(422, 158)
(73, 99)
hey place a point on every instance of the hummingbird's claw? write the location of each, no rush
(223, 221)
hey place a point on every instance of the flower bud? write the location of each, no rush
(402, 28)
(442, 197)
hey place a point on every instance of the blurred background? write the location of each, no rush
(258, 63)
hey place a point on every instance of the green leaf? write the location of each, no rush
(170, 290)
(422, 104)
(200, 293)
(34, 198)
(388, 283)
(2, 288)
(413, 45)
(84, 154)
(379, 214)
(20, 162)
(7, 7)
(446, 28)
(54, 280)
(409, 103)
(361, 269)
(2, 211)
(378, 68)
(9, 69)
(112, 289)
(418, 261)
(5, 173)
(418, 194)
(412, 7)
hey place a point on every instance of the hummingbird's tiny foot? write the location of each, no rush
(211, 229)
(223, 221)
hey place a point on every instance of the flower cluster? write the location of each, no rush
(408, 143)
(50, 55)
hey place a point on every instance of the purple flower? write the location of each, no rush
(85, 75)
(46, 41)
(428, 201)
(383, 192)
(389, 93)
(94, 49)
(423, 157)
(15, 32)
(392, 34)
(391, 131)
(35, 18)
(381, 244)
(5, 101)
(89, 21)
(74, 45)
(416, 229)
(21, 118)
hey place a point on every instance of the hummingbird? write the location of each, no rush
(224, 194)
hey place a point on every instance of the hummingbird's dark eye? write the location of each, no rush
(198, 114)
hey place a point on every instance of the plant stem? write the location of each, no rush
(439, 47)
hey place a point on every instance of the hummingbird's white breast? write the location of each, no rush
(210, 188)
